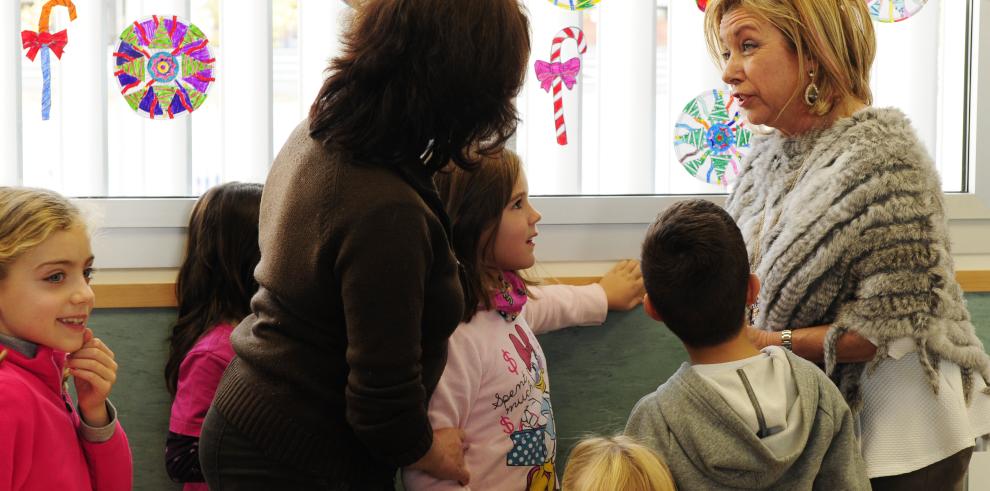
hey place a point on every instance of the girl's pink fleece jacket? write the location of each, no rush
(41, 436)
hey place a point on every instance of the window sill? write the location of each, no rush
(120, 293)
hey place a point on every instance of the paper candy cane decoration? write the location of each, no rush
(45, 41)
(559, 74)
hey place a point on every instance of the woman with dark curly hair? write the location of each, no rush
(358, 287)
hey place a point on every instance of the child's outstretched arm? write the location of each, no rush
(557, 306)
(623, 285)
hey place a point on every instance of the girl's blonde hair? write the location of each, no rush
(615, 463)
(28, 217)
(836, 35)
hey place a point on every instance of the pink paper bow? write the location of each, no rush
(567, 71)
(32, 41)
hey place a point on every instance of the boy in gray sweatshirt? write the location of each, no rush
(734, 417)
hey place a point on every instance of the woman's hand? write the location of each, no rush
(445, 459)
(623, 285)
(94, 373)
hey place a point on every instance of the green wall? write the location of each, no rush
(597, 374)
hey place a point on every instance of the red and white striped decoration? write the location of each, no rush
(558, 84)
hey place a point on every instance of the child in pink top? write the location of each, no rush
(46, 442)
(214, 289)
(495, 388)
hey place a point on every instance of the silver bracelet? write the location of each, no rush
(785, 339)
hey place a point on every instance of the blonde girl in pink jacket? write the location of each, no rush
(47, 441)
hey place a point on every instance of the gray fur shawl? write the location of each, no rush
(859, 242)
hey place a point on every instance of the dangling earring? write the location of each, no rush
(752, 310)
(811, 91)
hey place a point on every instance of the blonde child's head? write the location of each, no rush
(28, 217)
(615, 463)
(493, 223)
(46, 263)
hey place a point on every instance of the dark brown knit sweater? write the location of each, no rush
(358, 293)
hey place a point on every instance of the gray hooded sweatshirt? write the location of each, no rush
(708, 446)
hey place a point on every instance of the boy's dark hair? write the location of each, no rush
(424, 80)
(696, 272)
(216, 279)
(475, 200)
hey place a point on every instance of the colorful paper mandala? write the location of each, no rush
(164, 66)
(893, 10)
(575, 4)
(711, 138)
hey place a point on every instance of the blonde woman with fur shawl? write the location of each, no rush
(844, 221)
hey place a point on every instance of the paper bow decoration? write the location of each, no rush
(46, 42)
(33, 41)
(568, 71)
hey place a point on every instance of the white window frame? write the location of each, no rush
(149, 232)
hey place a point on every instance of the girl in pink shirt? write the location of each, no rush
(46, 442)
(214, 289)
(495, 389)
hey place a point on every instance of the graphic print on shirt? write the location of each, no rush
(533, 434)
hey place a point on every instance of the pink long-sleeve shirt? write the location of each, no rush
(496, 388)
(199, 375)
(41, 445)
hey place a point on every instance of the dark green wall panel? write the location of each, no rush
(597, 374)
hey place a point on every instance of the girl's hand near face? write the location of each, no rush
(94, 373)
(623, 285)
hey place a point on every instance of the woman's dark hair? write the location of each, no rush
(428, 81)
(216, 280)
(475, 200)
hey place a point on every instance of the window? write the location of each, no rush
(94, 144)
(645, 60)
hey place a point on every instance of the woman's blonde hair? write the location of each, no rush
(615, 463)
(28, 217)
(836, 35)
